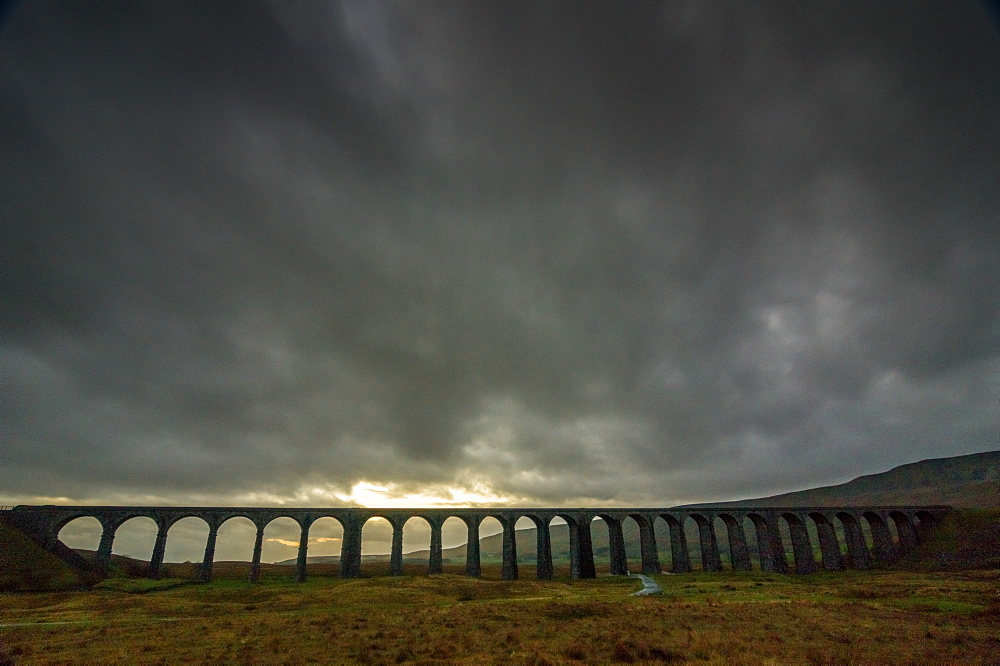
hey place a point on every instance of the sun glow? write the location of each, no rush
(391, 496)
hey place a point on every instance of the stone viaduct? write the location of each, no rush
(43, 524)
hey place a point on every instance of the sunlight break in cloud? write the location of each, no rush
(390, 496)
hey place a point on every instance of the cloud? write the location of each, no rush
(291, 254)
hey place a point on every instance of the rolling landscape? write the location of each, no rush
(944, 597)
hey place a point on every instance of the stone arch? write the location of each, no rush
(679, 554)
(829, 548)
(858, 556)
(770, 549)
(280, 540)
(561, 528)
(581, 549)
(661, 534)
(135, 537)
(648, 554)
(235, 539)
(508, 544)
(709, 551)
(375, 536)
(491, 535)
(882, 548)
(907, 534)
(612, 549)
(721, 540)
(454, 532)
(80, 532)
(473, 559)
(739, 553)
(750, 533)
(527, 548)
(802, 550)
(532, 552)
(325, 539)
(186, 538)
(418, 533)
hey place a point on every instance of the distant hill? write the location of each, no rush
(970, 481)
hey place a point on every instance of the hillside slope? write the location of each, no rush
(970, 481)
(24, 565)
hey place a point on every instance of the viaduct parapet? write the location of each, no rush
(839, 531)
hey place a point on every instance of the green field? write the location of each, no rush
(729, 617)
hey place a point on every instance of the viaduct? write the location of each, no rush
(849, 549)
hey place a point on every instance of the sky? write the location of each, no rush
(508, 253)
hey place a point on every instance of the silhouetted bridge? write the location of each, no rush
(43, 524)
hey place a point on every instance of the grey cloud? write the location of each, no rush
(623, 255)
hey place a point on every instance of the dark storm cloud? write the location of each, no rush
(568, 252)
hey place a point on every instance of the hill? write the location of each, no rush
(970, 481)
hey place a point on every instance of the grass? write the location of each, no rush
(25, 566)
(728, 617)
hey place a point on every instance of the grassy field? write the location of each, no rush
(848, 617)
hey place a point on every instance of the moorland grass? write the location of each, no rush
(728, 617)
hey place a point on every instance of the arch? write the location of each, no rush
(455, 543)
(325, 544)
(882, 548)
(858, 555)
(680, 555)
(643, 542)
(905, 530)
(736, 542)
(750, 533)
(893, 532)
(80, 533)
(802, 550)
(721, 540)
(784, 546)
(709, 551)
(280, 535)
(560, 537)
(544, 564)
(375, 539)
(134, 541)
(770, 549)
(829, 549)
(661, 534)
(528, 549)
(186, 540)
(234, 546)
(581, 548)
(417, 544)
(611, 549)
(473, 547)
(499, 546)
